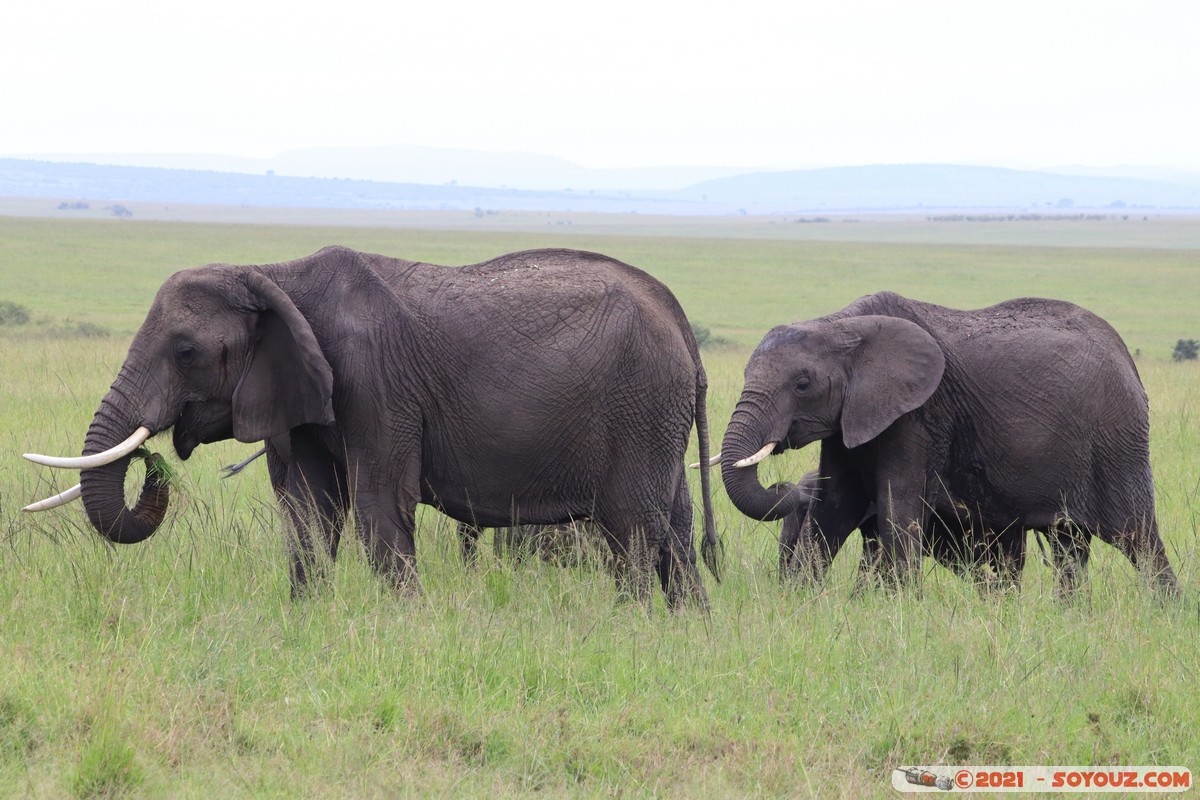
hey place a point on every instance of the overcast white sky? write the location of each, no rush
(613, 84)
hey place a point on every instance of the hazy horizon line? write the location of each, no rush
(994, 162)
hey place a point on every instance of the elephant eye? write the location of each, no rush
(185, 354)
(803, 382)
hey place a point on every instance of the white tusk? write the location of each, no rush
(757, 457)
(60, 499)
(712, 462)
(96, 459)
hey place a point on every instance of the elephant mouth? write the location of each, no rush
(191, 430)
(185, 442)
(798, 438)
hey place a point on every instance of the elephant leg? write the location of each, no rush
(633, 567)
(389, 537)
(1009, 553)
(868, 565)
(502, 542)
(635, 547)
(385, 510)
(312, 490)
(1145, 550)
(989, 559)
(637, 509)
(521, 541)
(959, 541)
(1071, 546)
(789, 539)
(468, 539)
(950, 545)
(677, 571)
(900, 549)
(840, 506)
(903, 519)
(822, 533)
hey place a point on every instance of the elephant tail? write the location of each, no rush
(712, 549)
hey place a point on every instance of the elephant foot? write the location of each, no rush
(632, 591)
(1165, 587)
(876, 579)
(406, 584)
(1161, 577)
(887, 578)
(1067, 589)
(804, 566)
(691, 596)
(634, 585)
(308, 580)
(305, 591)
(998, 589)
(699, 603)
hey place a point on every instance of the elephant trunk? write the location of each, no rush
(744, 437)
(104, 487)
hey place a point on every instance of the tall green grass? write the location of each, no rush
(179, 667)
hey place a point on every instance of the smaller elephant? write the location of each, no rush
(1030, 413)
(956, 539)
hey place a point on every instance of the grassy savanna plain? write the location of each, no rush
(179, 667)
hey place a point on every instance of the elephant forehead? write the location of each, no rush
(798, 338)
(188, 301)
(781, 336)
(192, 289)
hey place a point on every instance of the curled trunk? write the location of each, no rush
(749, 496)
(743, 438)
(104, 487)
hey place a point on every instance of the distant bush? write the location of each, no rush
(1020, 218)
(705, 338)
(121, 211)
(13, 314)
(90, 330)
(1186, 350)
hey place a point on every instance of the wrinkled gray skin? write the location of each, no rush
(954, 537)
(539, 387)
(1029, 412)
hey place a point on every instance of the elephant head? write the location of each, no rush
(223, 353)
(809, 381)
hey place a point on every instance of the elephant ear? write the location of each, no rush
(286, 381)
(894, 367)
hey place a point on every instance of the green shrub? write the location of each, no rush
(1186, 350)
(705, 338)
(18, 736)
(13, 314)
(89, 330)
(107, 766)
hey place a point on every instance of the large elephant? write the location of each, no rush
(540, 387)
(1030, 413)
(955, 537)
